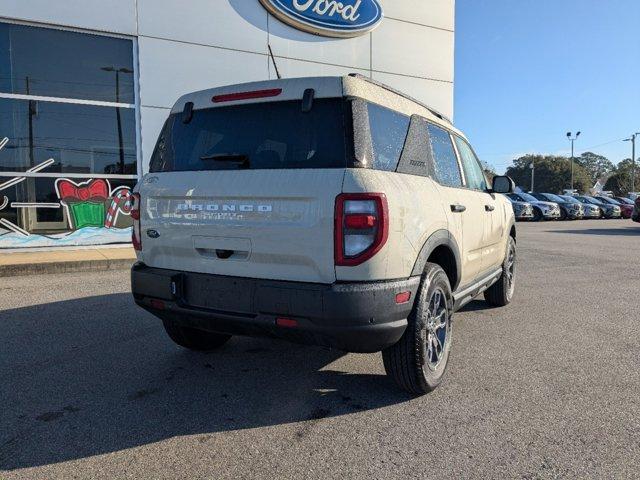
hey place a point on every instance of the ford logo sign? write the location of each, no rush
(330, 18)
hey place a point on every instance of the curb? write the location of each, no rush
(15, 270)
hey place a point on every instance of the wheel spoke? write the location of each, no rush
(429, 349)
(438, 345)
(441, 320)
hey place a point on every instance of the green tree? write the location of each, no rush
(489, 172)
(620, 181)
(552, 173)
(596, 165)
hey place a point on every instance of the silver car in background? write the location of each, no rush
(522, 210)
(541, 210)
(589, 210)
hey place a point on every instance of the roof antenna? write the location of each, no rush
(273, 59)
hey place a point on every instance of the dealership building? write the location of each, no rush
(86, 85)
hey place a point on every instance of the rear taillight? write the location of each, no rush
(136, 237)
(361, 227)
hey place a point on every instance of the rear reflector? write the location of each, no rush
(286, 322)
(358, 222)
(403, 297)
(158, 304)
(233, 97)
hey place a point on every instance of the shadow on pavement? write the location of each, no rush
(97, 375)
(627, 231)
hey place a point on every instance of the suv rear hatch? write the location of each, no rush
(247, 189)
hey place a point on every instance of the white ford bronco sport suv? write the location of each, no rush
(332, 211)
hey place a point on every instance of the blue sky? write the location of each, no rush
(528, 71)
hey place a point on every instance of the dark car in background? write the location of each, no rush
(635, 216)
(625, 210)
(625, 200)
(568, 210)
(608, 211)
(522, 210)
(541, 209)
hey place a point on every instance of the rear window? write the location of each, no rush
(256, 136)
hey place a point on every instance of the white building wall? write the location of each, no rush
(186, 46)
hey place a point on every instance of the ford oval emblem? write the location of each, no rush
(330, 18)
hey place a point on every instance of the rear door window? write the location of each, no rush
(388, 134)
(447, 170)
(269, 135)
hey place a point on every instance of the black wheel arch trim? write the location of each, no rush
(437, 239)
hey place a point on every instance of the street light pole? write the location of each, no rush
(118, 117)
(632, 139)
(533, 174)
(572, 139)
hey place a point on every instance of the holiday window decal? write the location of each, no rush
(96, 214)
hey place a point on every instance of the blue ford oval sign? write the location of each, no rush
(331, 18)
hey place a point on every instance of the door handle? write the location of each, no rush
(489, 208)
(458, 208)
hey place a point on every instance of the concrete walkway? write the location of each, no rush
(62, 261)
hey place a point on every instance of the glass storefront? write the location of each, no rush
(68, 153)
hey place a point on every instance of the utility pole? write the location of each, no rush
(632, 139)
(572, 139)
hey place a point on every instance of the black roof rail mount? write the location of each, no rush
(398, 92)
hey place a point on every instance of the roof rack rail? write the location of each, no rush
(398, 92)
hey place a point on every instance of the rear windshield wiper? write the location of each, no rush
(227, 157)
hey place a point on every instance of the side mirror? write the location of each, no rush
(503, 184)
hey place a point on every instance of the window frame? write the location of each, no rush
(74, 101)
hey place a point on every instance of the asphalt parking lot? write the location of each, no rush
(548, 387)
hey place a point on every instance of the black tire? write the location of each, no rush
(563, 214)
(414, 362)
(194, 339)
(500, 293)
(537, 215)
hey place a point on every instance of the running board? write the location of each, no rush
(461, 298)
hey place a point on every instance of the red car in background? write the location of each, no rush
(636, 211)
(625, 209)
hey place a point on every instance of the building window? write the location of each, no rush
(68, 153)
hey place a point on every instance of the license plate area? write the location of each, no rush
(218, 293)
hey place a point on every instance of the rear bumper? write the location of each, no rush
(354, 317)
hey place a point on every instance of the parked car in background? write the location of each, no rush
(589, 211)
(625, 200)
(522, 210)
(568, 210)
(625, 210)
(608, 211)
(541, 210)
(635, 216)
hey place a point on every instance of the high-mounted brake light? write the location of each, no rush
(233, 97)
(361, 227)
(136, 236)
